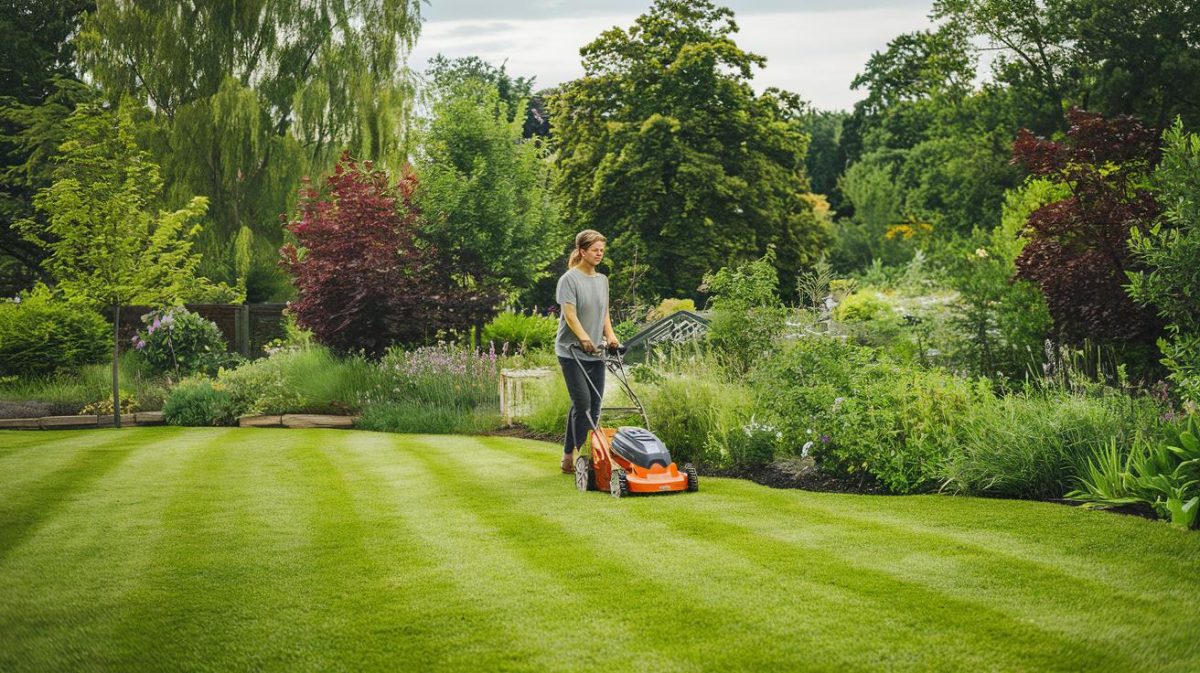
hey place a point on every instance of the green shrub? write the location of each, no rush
(129, 405)
(40, 334)
(199, 402)
(753, 444)
(1032, 444)
(695, 416)
(67, 391)
(860, 414)
(520, 331)
(863, 306)
(309, 380)
(181, 342)
(668, 306)
(748, 317)
(1164, 475)
(549, 403)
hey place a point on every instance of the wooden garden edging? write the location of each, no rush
(156, 418)
(87, 421)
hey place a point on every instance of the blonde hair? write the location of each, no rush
(583, 241)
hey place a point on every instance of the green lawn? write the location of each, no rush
(232, 549)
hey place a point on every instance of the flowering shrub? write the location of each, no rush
(754, 444)
(39, 334)
(179, 341)
(444, 373)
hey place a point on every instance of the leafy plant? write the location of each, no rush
(747, 316)
(519, 331)
(182, 342)
(200, 402)
(129, 405)
(753, 444)
(40, 334)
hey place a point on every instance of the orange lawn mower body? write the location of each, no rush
(629, 460)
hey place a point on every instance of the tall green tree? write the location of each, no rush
(485, 191)
(245, 97)
(108, 243)
(38, 89)
(664, 146)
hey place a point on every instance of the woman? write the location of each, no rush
(584, 322)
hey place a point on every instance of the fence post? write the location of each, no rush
(241, 329)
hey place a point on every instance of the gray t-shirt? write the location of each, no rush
(589, 295)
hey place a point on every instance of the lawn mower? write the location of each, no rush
(628, 460)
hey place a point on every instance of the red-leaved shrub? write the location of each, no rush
(364, 280)
(1078, 251)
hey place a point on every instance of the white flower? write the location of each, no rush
(804, 449)
(981, 253)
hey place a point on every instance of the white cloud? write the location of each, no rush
(814, 53)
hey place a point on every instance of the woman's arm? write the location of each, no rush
(572, 318)
(610, 337)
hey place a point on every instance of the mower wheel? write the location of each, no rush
(618, 485)
(693, 477)
(585, 476)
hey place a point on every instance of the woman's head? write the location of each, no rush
(589, 245)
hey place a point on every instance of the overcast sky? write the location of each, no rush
(812, 47)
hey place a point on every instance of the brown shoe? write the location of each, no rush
(568, 465)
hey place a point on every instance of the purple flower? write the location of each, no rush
(825, 439)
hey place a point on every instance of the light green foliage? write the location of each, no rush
(200, 402)
(668, 306)
(300, 380)
(68, 391)
(1032, 444)
(1002, 320)
(1164, 474)
(517, 331)
(664, 146)
(108, 243)
(747, 315)
(443, 388)
(41, 333)
(104, 407)
(1171, 255)
(181, 342)
(861, 415)
(484, 192)
(864, 306)
(626, 330)
(696, 414)
(244, 99)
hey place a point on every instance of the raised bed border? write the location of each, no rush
(87, 421)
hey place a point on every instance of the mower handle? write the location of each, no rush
(612, 350)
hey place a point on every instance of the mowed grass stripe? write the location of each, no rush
(32, 462)
(519, 616)
(259, 549)
(61, 475)
(63, 590)
(1055, 601)
(868, 551)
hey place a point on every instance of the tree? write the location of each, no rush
(516, 94)
(664, 146)
(1078, 253)
(1169, 254)
(485, 191)
(245, 98)
(363, 278)
(108, 244)
(38, 90)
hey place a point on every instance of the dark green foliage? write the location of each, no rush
(753, 444)
(665, 148)
(517, 331)
(41, 334)
(1170, 255)
(182, 343)
(199, 402)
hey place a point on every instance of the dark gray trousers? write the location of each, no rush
(582, 398)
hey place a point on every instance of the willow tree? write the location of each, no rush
(246, 97)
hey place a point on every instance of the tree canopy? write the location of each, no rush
(664, 146)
